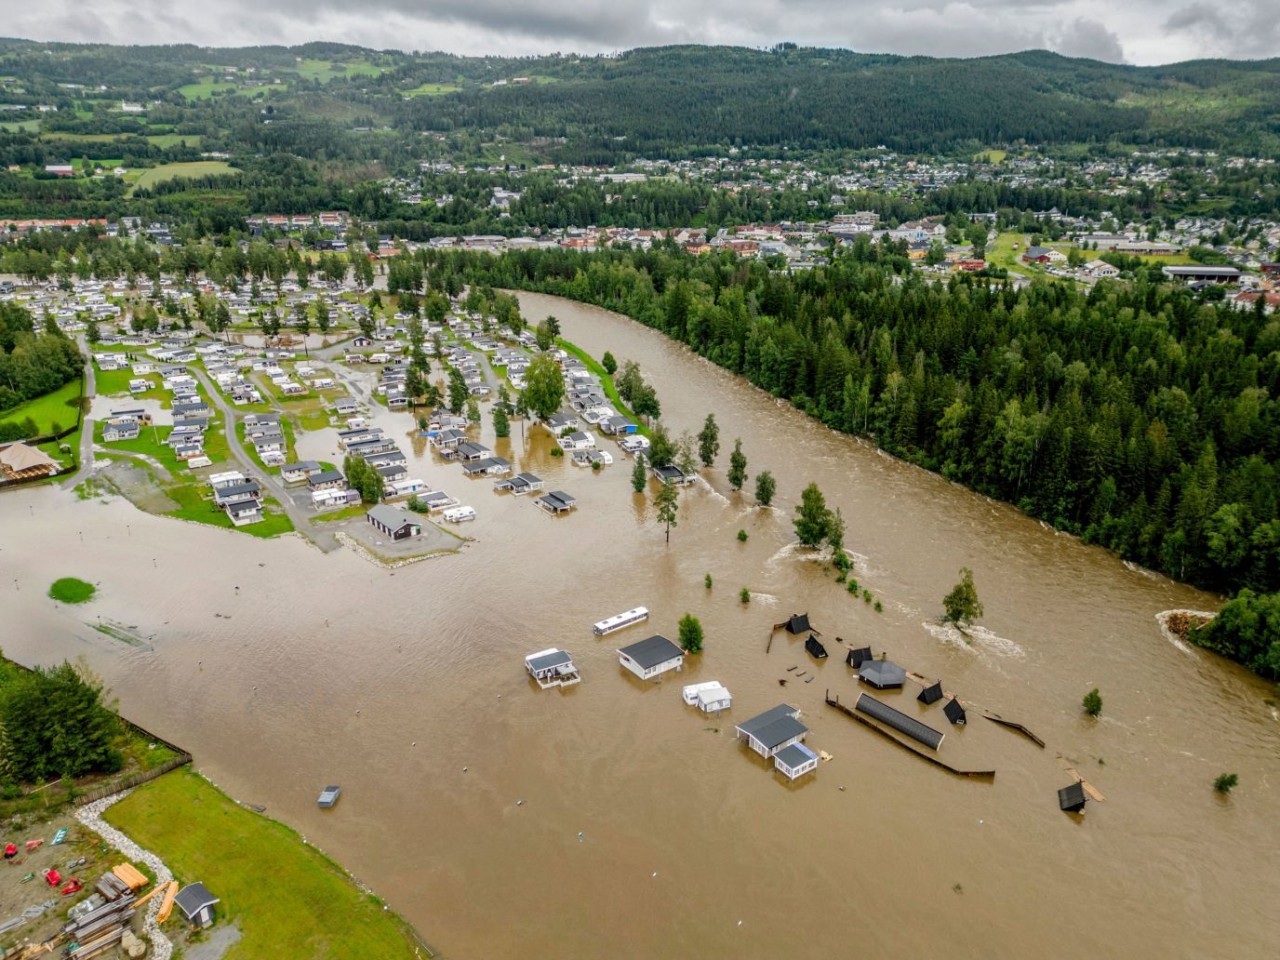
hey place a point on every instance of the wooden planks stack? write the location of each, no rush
(130, 876)
(100, 929)
(112, 887)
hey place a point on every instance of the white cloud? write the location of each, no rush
(1140, 31)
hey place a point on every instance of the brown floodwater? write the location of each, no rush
(407, 688)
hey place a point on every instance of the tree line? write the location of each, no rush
(1137, 416)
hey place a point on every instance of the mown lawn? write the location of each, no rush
(193, 505)
(287, 898)
(57, 408)
(172, 171)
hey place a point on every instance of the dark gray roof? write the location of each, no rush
(759, 724)
(795, 755)
(652, 651)
(815, 648)
(300, 465)
(324, 476)
(392, 518)
(193, 898)
(779, 731)
(912, 727)
(1072, 798)
(882, 673)
(954, 711)
(859, 656)
(798, 623)
(547, 661)
(931, 694)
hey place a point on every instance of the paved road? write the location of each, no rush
(324, 539)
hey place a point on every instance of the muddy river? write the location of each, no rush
(612, 820)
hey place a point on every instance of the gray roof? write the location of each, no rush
(912, 727)
(769, 727)
(324, 476)
(300, 465)
(547, 661)
(652, 651)
(193, 898)
(882, 673)
(795, 755)
(391, 517)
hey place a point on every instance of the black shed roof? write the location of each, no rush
(858, 657)
(798, 623)
(953, 711)
(1072, 798)
(193, 898)
(815, 648)
(931, 694)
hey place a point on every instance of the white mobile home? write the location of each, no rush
(710, 697)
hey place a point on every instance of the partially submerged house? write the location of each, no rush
(520, 484)
(796, 624)
(858, 657)
(882, 674)
(815, 648)
(1072, 799)
(557, 502)
(709, 697)
(771, 731)
(931, 694)
(795, 761)
(651, 657)
(552, 668)
(954, 712)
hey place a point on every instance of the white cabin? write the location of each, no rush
(460, 514)
(621, 620)
(552, 668)
(709, 697)
(795, 760)
(652, 657)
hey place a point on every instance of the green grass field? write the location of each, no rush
(287, 898)
(1001, 253)
(432, 90)
(172, 171)
(193, 506)
(325, 70)
(166, 140)
(57, 408)
(991, 156)
(205, 88)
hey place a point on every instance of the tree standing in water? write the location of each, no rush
(667, 500)
(961, 606)
(737, 466)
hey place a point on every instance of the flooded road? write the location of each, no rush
(407, 688)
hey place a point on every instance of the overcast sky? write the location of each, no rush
(1134, 31)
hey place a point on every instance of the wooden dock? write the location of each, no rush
(973, 774)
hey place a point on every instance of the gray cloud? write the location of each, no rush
(1140, 31)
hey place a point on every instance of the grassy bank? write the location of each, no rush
(611, 391)
(288, 899)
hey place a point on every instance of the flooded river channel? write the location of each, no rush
(645, 830)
